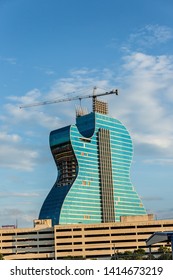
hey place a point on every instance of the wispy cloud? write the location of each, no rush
(144, 104)
(159, 161)
(147, 37)
(9, 60)
(48, 71)
(152, 198)
(146, 101)
(14, 154)
(18, 194)
(12, 138)
(30, 97)
(167, 213)
(16, 216)
(143, 80)
(36, 116)
(16, 115)
(17, 158)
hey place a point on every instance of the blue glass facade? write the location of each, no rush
(77, 196)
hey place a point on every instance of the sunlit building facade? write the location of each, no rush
(82, 241)
(93, 158)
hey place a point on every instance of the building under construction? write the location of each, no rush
(93, 159)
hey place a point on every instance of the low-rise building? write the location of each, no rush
(94, 241)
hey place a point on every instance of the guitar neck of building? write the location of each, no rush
(100, 106)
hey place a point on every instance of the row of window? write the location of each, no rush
(93, 152)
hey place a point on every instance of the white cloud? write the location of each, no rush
(160, 34)
(144, 103)
(152, 198)
(29, 97)
(159, 161)
(83, 72)
(18, 194)
(159, 141)
(148, 37)
(14, 154)
(12, 138)
(29, 116)
(164, 214)
(9, 60)
(49, 72)
(18, 158)
(17, 216)
(46, 71)
(79, 82)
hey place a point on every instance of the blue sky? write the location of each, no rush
(62, 48)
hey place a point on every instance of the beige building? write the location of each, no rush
(93, 241)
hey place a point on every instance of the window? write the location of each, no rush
(86, 217)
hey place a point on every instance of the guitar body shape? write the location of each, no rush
(93, 159)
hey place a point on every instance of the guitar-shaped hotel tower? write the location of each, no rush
(93, 158)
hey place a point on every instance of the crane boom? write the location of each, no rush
(114, 91)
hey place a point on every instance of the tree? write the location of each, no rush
(150, 257)
(165, 253)
(139, 254)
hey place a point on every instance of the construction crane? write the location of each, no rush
(93, 96)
